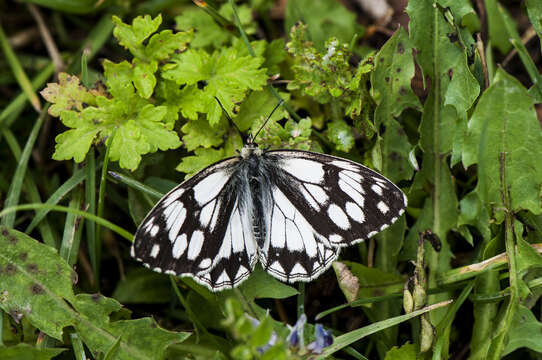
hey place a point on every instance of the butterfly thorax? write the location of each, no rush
(249, 150)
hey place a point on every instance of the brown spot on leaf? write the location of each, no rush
(33, 268)
(402, 91)
(13, 240)
(400, 48)
(382, 59)
(394, 156)
(10, 269)
(5, 232)
(95, 297)
(398, 70)
(450, 73)
(37, 289)
(387, 78)
(23, 256)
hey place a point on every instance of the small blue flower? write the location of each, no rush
(296, 333)
(322, 340)
(272, 340)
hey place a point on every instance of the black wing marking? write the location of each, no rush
(198, 227)
(343, 201)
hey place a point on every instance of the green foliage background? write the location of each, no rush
(440, 111)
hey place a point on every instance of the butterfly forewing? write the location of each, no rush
(343, 201)
(197, 226)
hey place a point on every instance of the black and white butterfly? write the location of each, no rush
(291, 210)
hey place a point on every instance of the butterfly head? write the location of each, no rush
(250, 148)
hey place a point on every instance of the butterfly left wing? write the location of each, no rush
(200, 229)
(321, 203)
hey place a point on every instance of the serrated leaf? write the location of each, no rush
(67, 94)
(143, 77)
(504, 139)
(257, 107)
(165, 43)
(132, 36)
(226, 76)
(198, 133)
(186, 100)
(75, 143)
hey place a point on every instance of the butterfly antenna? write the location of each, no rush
(228, 117)
(269, 117)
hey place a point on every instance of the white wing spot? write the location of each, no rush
(180, 246)
(335, 238)
(154, 230)
(383, 227)
(348, 190)
(207, 213)
(157, 269)
(172, 197)
(208, 188)
(205, 263)
(377, 189)
(304, 170)
(241, 272)
(223, 278)
(354, 184)
(294, 241)
(298, 269)
(355, 212)
(170, 272)
(277, 267)
(309, 198)
(149, 224)
(155, 250)
(372, 233)
(278, 227)
(318, 193)
(194, 247)
(176, 225)
(337, 215)
(344, 165)
(383, 207)
(176, 209)
(354, 175)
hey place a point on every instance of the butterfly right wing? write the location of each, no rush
(200, 229)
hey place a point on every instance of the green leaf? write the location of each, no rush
(504, 139)
(143, 77)
(139, 339)
(257, 107)
(525, 331)
(262, 285)
(198, 133)
(26, 352)
(534, 11)
(142, 286)
(203, 157)
(373, 281)
(132, 36)
(406, 352)
(165, 43)
(225, 75)
(186, 100)
(35, 283)
(262, 333)
(67, 94)
(275, 53)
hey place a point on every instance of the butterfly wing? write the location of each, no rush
(200, 229)
(321, 203)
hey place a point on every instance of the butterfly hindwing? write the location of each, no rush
(198, 228)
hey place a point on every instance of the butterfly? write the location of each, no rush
(290, 210)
